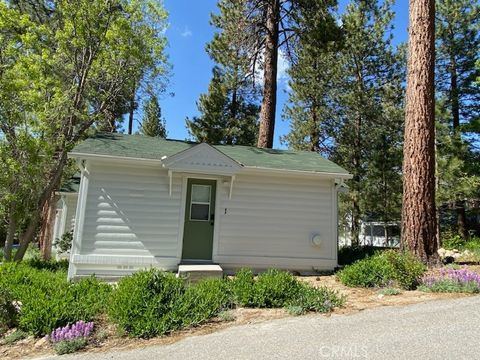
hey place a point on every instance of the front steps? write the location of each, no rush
(196, 272)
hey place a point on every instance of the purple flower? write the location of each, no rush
(80, 329)
(460, 276)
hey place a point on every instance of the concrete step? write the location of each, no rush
(196, 272)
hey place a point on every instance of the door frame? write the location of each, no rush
(183, 199)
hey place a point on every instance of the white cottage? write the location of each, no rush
(146, 202)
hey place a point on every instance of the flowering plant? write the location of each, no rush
(71, 338)
(452, 280)
(80, 329)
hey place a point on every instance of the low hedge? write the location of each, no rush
(387, 268)
(47, 301)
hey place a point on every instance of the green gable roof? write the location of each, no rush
(144, 147)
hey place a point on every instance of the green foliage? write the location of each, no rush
(62, 76)
(8, 312)
(142, 303)
(13, 337)
(152, 123)
(295, 310)
(226, 315)
(64, 244)
(384, 269)
(390, 291)
(275, 288)
(51, 265)
(70, 346)
(347, 102)
(201, 302)
(451, 286)
(152, 303)
(228, 115)
(48, 301)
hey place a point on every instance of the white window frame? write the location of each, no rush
(209, 203)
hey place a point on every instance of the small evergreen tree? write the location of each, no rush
(152, 123)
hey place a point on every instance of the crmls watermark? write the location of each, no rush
(341, 352)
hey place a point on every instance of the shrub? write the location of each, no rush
(452, 280)
(8, 312)
(275, 288)
(243, 286)
(320, 299)
(142, 303)
(201, 302)
(48, 300)
(384, 269)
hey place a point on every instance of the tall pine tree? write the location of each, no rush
(153, 124)
(356, 117)
(458, 95)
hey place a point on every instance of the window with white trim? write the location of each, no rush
(200, 202)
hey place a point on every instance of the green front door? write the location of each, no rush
(199, 220)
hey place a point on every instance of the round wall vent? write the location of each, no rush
(316, 240)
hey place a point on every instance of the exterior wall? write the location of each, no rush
(129, 221)
(270, 220)
(65, 216)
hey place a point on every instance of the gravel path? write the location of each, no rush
(445, 329)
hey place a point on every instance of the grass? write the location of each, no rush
(471, 245)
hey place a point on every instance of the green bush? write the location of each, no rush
(48, 300)
(384, 269)
(142, 303)
(314, 299)
(271, 289)
(243, 287)
(201, 302)
(274, 289)
(8, 312)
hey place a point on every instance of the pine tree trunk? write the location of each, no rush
(418, 210)
(356, 213)
(269, 102)
(314, 131)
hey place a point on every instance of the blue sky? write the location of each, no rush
(188, 33)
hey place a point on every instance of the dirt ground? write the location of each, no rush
(107, 338)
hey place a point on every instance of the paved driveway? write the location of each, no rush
(446, 329)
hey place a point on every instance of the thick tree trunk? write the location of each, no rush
(46, 229)
(32, 226)
(269, 102)
(418, 210)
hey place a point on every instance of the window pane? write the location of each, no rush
(199, 212)
(201, 193)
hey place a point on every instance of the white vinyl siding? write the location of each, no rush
(129, 212)
(272, 218)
